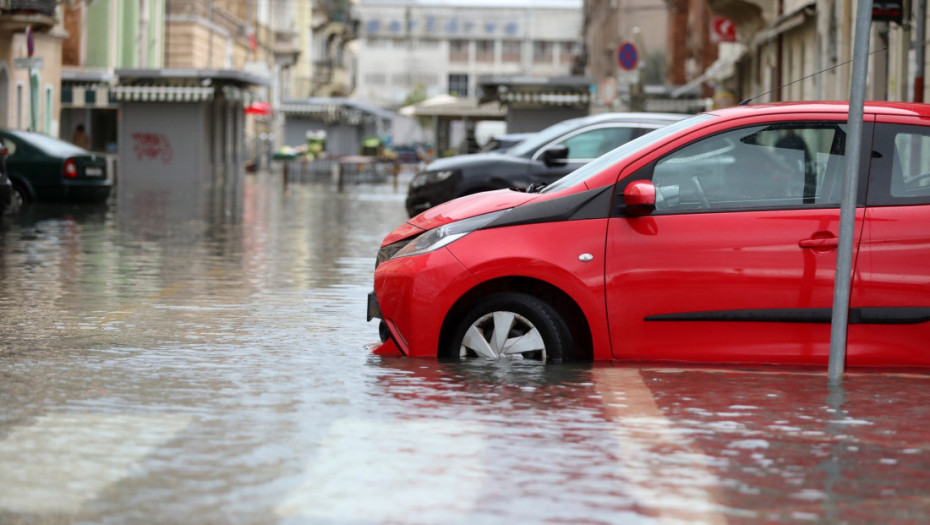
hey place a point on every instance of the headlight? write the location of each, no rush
(444, 235)
(431, 177)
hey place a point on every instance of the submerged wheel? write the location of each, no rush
(20, 198)
(512, 325)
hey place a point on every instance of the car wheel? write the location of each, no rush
(20, 198)
(512, 325)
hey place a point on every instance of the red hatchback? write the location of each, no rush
(710, 240)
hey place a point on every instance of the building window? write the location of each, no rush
(484, 51)
(511, 51)
(567, 52)
(458, 85)
(458, 50)
(376, 79)
(542, 52)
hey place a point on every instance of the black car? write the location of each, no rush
(504, 142)
(44, 168)
(540, 159)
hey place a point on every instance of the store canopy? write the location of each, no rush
(258, 108)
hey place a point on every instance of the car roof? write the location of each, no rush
(837, 106)
(640, 116)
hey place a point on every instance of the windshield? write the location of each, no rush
(634, 146)
(545, 136)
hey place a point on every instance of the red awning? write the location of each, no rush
(258, 108)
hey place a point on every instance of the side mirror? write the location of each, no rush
(557, 154)
(639, 198)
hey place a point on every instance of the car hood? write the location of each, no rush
(458, 209)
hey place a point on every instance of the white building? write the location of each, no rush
(446, 46)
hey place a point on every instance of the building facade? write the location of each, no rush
(446, 47)
(31, 35)
(803, 50)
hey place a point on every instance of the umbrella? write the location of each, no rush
(258, 108)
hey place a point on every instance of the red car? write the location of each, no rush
(710, 240)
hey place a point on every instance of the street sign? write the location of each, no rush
(722, 29)
(30, 41)
(28, 63)
(628, 56)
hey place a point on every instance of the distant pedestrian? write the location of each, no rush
(81, 138)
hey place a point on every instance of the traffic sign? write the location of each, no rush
(30, 42)
(628, 56)
(607, 91)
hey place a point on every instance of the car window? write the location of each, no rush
(772, 166)
(633, 148)
(910, 170)
(899, 167)
(594, 143)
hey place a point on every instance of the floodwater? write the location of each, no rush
(172, 366)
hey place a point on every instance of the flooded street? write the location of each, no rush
(158, 366)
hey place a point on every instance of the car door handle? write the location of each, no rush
(827, 242)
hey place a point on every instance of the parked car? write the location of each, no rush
(43, 168)
(712, 240)
(540, 159)
(502, 143)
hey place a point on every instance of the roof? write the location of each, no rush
(204, 77)
(318, 104)
(827, 106)
(449, 106)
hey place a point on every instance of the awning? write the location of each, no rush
(547, 98)
(163, 93)
(87, 96)
(722, 69)
(87, 89)
(335, 110)
(258, 108)
(788, 21)
(455, 107)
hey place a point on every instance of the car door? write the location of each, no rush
(737, 262)
(584, 145)
(890, 300)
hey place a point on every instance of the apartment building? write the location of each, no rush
(447, 46)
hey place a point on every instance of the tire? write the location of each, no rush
(534, 330)
(20, 198)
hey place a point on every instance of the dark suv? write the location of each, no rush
(540, 159)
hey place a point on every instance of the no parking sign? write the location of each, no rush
(628, 56)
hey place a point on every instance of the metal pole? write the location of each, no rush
(920, 47)
(850, 189)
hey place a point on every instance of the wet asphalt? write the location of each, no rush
(164, 360)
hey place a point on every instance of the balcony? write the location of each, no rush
(16, 15)
(286, 47)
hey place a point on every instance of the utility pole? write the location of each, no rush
(841, 290)
(920, 16)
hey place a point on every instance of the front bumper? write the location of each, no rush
(413, 296)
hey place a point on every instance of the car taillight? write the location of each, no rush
(70, 169)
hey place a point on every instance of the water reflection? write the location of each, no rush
(689, 445)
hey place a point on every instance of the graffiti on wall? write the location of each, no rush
(151, 146)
